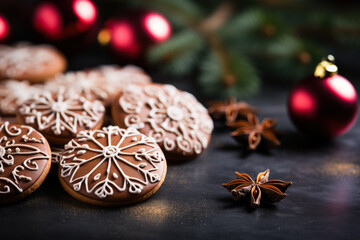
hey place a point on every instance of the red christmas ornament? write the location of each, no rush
(325, 104)
(66, 22)
(130, 35)
(4, 29)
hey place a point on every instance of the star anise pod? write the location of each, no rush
(262, 190)
(230, 110)
(254, 132)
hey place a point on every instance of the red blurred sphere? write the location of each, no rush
(129, 36)
(4, 29)
(325, 107)
(66, 22)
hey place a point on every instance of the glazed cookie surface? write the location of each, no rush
(60, 117)
(35, 63)
(122, 76)
(175, 119)
(102, 83)
(13, 93)
(24, 161)
(112, 166)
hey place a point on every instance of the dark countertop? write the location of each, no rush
(323, 202)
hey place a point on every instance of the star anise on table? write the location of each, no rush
(254, 133)
(262, 190)
(229, 110)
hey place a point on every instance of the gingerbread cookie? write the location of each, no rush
(24, 161)
(13, 93)
(102, 83)
(60, 117)
(178, 122)
(35, 63)
(122, 76)
(112, 166)
(89, 84)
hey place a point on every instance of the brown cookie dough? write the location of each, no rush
(178, 122)
(102, 83)
(13, 93)
(24, 161)
(35, 63)
(60, 117)
(112, 166)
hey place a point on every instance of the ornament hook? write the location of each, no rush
(326, 67)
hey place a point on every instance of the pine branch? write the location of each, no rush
(243, 80)
(297, 65)
(182, 13)
(284, 38)
(179, 54)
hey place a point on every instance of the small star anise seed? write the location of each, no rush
(262, 190)
(251, 131)
(230, 110)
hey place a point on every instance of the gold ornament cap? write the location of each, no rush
(326, 68)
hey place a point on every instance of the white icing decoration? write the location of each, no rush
(26, 138)
(19, 60)
(113, 155)
(121, 77)
(101, 83)
(88, 84)
(172, 112)
(97, 177)
(61, 113)
(14, 93)
(9, 149)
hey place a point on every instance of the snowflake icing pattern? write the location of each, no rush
(8, 151)
(144, 160)
(62, 113)
(88, 84)
(17, 60)
(179, 114)
(13, 93)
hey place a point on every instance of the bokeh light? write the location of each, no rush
(158, 27)
(4, 28)
(85, 10)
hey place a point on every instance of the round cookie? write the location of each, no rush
(24, 161)
(102, 83)
(122, 76)
(178, 122)
(35, 63)
(112, 166)
(13, 93)
(60, 117)
(91, 85)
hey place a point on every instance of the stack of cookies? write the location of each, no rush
(109, 132)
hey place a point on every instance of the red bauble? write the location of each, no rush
(4, 29)
(66, 23)
(324, 105)
(129, 36)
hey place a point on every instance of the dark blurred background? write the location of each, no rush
(226, 48)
